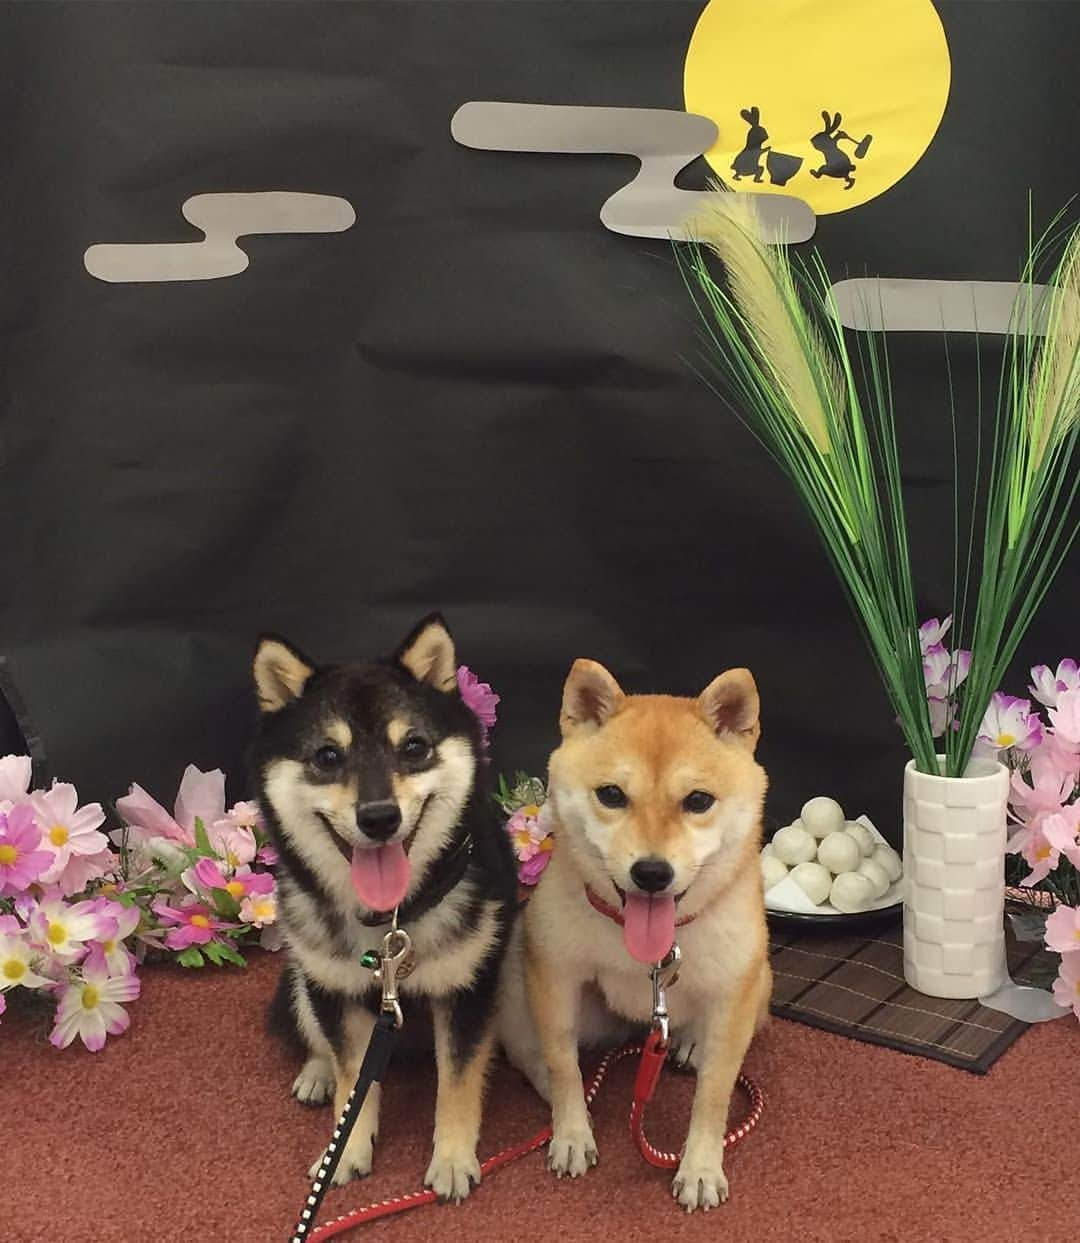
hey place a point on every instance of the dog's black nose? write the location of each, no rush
(652, 875)
(378, 820)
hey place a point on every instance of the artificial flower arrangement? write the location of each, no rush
(81, 910)
(823, 409)
(524, 803)
(1044, 794)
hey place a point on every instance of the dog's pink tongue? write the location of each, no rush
(380, 875)
(649, 926)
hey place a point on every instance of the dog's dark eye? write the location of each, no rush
(416, 747)
(611, 796)
(698, 801)
(327, 758)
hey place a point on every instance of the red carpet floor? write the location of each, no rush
(184, 1130)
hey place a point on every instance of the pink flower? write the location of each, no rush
(66, 828)
(259, 909)
(147, 819)
(478, 697)
(1010, 723)
(943, 673)
(267, 856)
(201, 795)
(1058, 752)
(17, 957)
(234, 843)
(1060, 832)
(1065, 717)
(118, 959)
(530, 835)
(91, 1007)
(192, 924)
(1048, 684)
(15, 773)
(529, 872)
(1049, 790)
(241, 884)
(82, 869)
(1037, 852)
(1063, 930)
(20, 859)
(525, 832)
(246, 816)
(64, 928)
(1067, 984)
(932, 632)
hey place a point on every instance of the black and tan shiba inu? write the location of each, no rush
(371, 778)
(656, 806)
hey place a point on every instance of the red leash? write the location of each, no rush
(653, 1055)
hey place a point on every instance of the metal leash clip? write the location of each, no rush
(395, 963)
(663, 974)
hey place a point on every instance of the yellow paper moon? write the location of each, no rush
(883, 65)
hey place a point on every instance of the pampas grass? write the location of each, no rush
(776, 344)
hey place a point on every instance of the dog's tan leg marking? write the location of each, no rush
(700, 1181)
(357, 1155)
(554, 1001)
(454, 1169)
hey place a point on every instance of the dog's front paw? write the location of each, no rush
(356, 1160)
(572, 1152)
(314, 1085)
(700, 1186)
(452, 1176)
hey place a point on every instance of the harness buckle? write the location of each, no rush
(663, 975)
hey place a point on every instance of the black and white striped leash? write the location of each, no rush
(392, 964)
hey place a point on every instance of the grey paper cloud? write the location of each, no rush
(882, 304)
(222, 218)
(664, 140)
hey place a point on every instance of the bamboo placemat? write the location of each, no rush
(854, 985)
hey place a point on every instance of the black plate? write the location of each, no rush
(843, 923)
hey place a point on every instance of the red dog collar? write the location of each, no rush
(605, 908)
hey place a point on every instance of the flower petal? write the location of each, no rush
(201, 795)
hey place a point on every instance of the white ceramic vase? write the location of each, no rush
(954, 880)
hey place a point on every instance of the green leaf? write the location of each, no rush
(220, 951)
(202, 842)
(190, 957)
(226, 904)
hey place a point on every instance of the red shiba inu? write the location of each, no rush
(656, 809)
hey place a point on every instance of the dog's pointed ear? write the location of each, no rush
(731, 707)
(280, 673)
(590, 696)
(428, 654)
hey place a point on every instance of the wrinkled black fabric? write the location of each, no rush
(476, 399)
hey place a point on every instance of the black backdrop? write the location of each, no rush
(475, 399)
